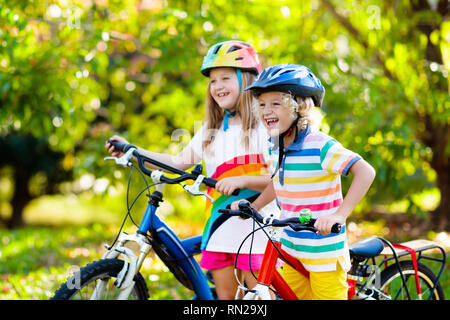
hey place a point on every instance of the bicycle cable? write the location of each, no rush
(249, 256)
(128, 214)
(261, 227)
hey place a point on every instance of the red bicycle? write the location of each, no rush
(370, 278)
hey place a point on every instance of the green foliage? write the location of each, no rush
(76, 72)
(73, 73)
(40, 259)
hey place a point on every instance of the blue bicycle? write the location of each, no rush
(116, 275)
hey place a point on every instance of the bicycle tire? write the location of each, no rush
(391, 282)
(105, 269)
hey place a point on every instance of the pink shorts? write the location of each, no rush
(217, 260)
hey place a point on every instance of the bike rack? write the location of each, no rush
(417, 246)
(398, 250)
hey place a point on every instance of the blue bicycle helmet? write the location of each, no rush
(295, 79)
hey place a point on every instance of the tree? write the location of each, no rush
(406, 41)
(31, 158)
(74, 73)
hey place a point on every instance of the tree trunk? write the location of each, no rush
(440, 217)
(20, 198)
(436, 136)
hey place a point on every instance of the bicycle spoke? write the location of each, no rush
(397, 289)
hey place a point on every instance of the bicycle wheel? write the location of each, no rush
(106, 271)
(391, 282)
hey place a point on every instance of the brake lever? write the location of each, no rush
(123, 160)
(194, 188)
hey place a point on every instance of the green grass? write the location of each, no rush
(36, 260)
(445, 277)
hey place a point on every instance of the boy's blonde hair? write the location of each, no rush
(297, 105)
(214, 113)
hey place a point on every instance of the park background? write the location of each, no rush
(73, 73)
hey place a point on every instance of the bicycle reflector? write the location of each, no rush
(305, 215)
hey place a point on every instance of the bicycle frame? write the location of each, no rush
(269, 276)
(177, 254)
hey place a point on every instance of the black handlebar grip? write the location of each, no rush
(124, 147)
(336, 228)
(119, 146)
(212, 183)
(244, 206)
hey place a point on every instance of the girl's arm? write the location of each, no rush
(364, 174)
(226, 186)
(267, 196)
(183, 160)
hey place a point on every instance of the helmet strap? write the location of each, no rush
(287, 133)
(229, 114)
(239, 77)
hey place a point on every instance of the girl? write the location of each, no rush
(233, 145)
(309, 164)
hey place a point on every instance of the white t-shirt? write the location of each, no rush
(227, 157)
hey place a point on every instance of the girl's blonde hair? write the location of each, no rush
(297, 105)
(214, 113)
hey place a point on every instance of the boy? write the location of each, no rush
(307, 175)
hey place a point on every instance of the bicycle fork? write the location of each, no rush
(125, 278)
(131, 266)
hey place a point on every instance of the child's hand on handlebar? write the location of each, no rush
(226, 186)
(235, 205)
(111, 149)
(325, 223)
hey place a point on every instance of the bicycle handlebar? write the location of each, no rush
(246, 211)
(124, 147)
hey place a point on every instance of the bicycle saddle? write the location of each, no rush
(368, 247)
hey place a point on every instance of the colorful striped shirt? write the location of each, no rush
(226, 157)
(310, 177)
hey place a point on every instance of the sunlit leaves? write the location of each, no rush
(80, 71)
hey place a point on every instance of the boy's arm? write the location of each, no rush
(363, 174)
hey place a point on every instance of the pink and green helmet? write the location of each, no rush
(232, 54)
